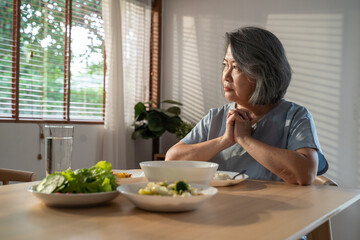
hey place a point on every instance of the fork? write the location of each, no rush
(241, 172)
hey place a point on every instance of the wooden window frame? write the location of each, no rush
(155, 62)
(155, 53)
(154, 73)
(67, 74)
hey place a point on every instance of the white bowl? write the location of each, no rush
(171, 171)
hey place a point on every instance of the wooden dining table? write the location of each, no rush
(249, 210)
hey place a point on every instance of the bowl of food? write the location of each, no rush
(170, 171)
(179, 196)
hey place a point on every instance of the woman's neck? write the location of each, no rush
(258, 111)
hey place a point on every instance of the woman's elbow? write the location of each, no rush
(302, 181)
(300, 178)
(171, 154)
(307, 173)
(306, 180)
(174, 153)
(307, 177)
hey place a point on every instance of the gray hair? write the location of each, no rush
(261, 56)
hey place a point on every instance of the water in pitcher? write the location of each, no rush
(58, 154)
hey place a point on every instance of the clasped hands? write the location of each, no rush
(238, 126)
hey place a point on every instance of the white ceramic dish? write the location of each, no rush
(74, 200)
(166, 203)
(229, 182)
(137, 176)
(170, 171)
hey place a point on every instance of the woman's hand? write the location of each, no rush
(242, 124)
(228, 136)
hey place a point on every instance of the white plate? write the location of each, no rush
(75, 199)
(228, 182)
(137, 176)
(166, 203)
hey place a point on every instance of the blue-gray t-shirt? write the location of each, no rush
(287, 126)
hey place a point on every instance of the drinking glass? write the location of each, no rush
(58, 148)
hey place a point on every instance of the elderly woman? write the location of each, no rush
(260, 131)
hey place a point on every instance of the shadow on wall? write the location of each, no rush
(313, 43)
(194, 66)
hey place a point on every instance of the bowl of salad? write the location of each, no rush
(83, 187)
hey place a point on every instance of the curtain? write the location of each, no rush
(127, 25)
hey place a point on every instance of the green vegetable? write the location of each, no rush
(104, 165)
(181, 186)
(98, 178)
(52, 183)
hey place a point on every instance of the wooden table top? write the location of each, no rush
(249, 210)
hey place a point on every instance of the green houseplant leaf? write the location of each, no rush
(172, 102)
(139, 108)
(172, 123)
(174, 110)
(155, 121)
(152, 122)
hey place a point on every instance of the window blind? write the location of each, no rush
(87, 61)
(7, 86)
(42, 54)
(58, 40)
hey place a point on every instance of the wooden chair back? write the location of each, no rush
(7, 175)
(323, 232)
(325, 181)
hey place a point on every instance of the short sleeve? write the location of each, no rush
(200, 132)
(302, 131)
(303, 134)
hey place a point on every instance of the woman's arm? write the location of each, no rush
(297, 167)
(204, 151)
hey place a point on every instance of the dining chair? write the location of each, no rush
(325, 181)
(7, 175)
(159, 156)
(323, 232)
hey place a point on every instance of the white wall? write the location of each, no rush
(322, 41)
(20, 145)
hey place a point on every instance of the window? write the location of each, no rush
(52, 64)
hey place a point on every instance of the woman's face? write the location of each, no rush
(237, 86)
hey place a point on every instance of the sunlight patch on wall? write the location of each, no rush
(176, 62)
(194, 66)
(186, 69)
(211, 53)
(313, 43)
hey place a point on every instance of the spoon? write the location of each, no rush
(241, 172)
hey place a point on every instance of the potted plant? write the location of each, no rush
(151, 122)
